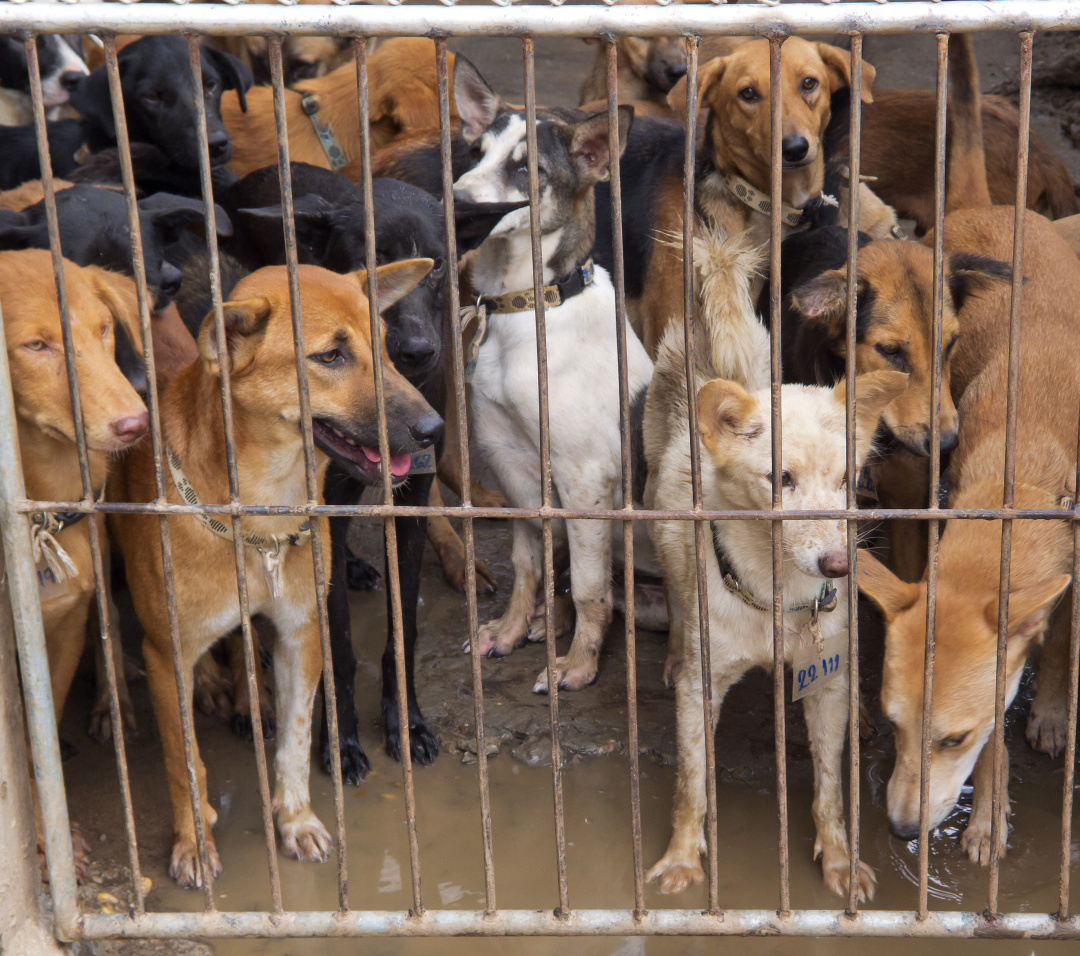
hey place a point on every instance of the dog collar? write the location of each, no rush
(554, 295)
(757, 200)
(309, 103)
(269, 548)
(44, 527)
(824, 602)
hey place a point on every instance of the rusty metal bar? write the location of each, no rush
(389, 528)
(529, 60)
(454, 321)
(1012, 391)
(312, 489)
(1070, 731)
(776, 182)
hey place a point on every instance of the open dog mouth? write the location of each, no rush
(365, 461)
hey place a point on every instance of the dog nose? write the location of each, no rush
(426, 429)
(794, 149)
(904, 831)
(415, 352)
(171, 280)
(949, 440)
(834, 564)
(130, 428)
(220, 147)
(675, 72)
(70, 79)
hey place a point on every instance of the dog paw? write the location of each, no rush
(493, 641)
(674, 875)
(454, 571)
(486, 498)
(837, 876)
(568, 676)
(422, 743)
(1046, 726)
(672, 668)
(359, 574)
(241, 725)
(213, 690)
(100, 727)
(184, 865)
(975, 841)
(354, 762)
(304, 837)
(80, 850)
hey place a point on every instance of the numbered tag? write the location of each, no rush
(468, 313)
(49, 588)
(865, 487)
(423, 462)
(812, 670)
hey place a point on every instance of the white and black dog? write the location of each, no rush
(61, 70)
(583, 383)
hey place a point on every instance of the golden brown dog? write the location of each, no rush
(270, 462)
(968, 568)
(402, 94)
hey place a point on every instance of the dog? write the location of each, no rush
(61, 70)
(114, 419)
(580, 317)
(402, 96)
(968, 574)
(259, 347)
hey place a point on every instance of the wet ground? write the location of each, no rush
(594, 733)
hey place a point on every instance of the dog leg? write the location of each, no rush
(674, 659)
(826, 720)
(100, 727)
(242, 716)
(1049, 710)
(213, 689)
(499, 637)
(450, 550)
(449, 461)
(975, 840)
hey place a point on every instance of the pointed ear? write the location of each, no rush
(884, 588)
(823, 300)
(234, 74)
(91, 99)
(474, 221)
(1029, 608)
(172, 214)
(312, 215)
(726, 410)
(707, 75)
(395, 281)
(873, 392)
(589, 145)
(967, 274)
(245, 325)
(477, 103)
(838, 63)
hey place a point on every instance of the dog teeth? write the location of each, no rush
(336, 432)
(349, 441)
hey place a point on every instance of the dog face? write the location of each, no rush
(340, 357)
(660, 61)
(303, 58)
(159, 98)
(736, 88)
(61, 67)
(964, 677)
(114, 415)
(894, 326)
(735, 427)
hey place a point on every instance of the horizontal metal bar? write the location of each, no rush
(586, 20)
(593, 922)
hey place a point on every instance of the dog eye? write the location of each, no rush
(329, 357)
(809, 84)
(209, 86)
(437, 270)
(105, 329)
(37, 345)
(954, 741)
(786, 481)
(748, 95)
(893, 354)
(153, 99)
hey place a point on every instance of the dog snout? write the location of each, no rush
(220, 147)
(949, 440)
(171, 279)
(675, 72)
(904, 830)
(414, 353)
(130, 428)
(794, 148)
(834, 564)
(70, 79)
(427, 429)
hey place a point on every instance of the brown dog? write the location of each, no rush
(967, 593)
(402, 94)
(270, 461)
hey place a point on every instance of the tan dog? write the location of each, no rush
(402, 95)
(967, 605)
(114, 417)
(270, 461)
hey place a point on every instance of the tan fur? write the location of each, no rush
(1069, 230)
(28, 194)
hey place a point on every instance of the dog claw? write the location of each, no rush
(354, 762)
(1046, 728)
(423, 746)
(305, 838)
(674, 876)
(184, 866)
(577, 677)
(837, 878)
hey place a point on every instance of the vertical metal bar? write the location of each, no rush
(454, 322)
(388, 494)
(545, 467)
(618, 278)
(1015, 305)
(1074, 685)
(310, 483)
(776, 115)
(933, 525)
(854, 159)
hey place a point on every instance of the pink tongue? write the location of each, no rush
(371, 454)
(399, 464)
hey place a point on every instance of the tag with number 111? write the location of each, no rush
(813, 669)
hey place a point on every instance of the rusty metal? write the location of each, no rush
(1070, 731)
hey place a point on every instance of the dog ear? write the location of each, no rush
(1029, 608)
(838, 63)
(884, 588)
(234, 74)
(823, 300)
(477, 103)
(725, 410)
(313, 216)
(91, 99)
(473, 221)
(245, 325)
(118, 294)
(256, 46)
(967, 274)
(873, 392)
(637, 52)
(395, 281)
(16, 232)
(588, 143)
(172, 214)
(708, 74)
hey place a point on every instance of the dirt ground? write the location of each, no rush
(593, 725)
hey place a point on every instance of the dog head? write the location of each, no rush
(894, 326)
(114, 415)
(735, 428)
(340, 357)
(61, 67)
(965, 660)
(159, 98)
(735, 89)
(659, 62)
(302, 58)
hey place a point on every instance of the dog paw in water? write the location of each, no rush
(1046, 726)
(837, 876)
(568, 677)
(184, 865)
(354, 762)
(422, 743)
(975, 841)
(305, 838)
(674, 876)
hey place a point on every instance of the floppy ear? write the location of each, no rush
(725, 410)
(1029, 608)
(16, 232)
(884, 588)
(245, 326)
(588, 144)
(838, 63)
(256, 46)
(172, 214)
(873, 392)
(967, 274)
(234, 74)
(91, 99)
(637, 52)
(118, 293)
(313, 217)
(708, 74)
(395, 281)
(823, 300)
(473, 221)
(477, 103)
(412, 105)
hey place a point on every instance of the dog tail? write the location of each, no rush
(965, 162)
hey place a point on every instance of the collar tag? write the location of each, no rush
(466, 316)
(813, 667)
(51, 584)
(309, 103)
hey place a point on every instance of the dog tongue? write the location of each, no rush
(399, 464)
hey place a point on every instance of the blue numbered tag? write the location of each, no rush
(49, 586)
(423, 462)
(813, 669)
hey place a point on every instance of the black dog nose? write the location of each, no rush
(70, 79)
(794, 149)
(675, 72)
(904, 831)
(415, 352)
(170, 281)
(949, 440)
(426, 429)
(219, 144)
